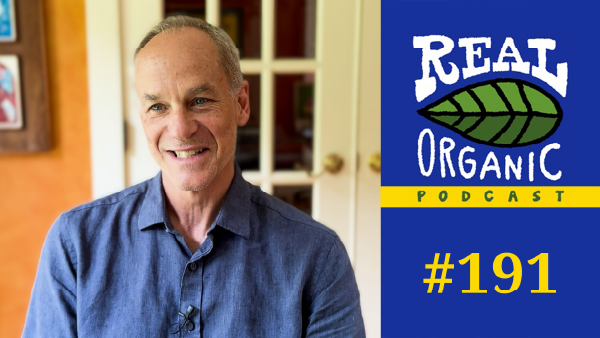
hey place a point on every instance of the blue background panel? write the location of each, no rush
(411, 237)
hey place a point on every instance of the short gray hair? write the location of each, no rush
(228, 52)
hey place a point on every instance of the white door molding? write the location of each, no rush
(103, 35)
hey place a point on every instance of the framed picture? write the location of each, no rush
(11, 116)
(24, 101)
(8, 31)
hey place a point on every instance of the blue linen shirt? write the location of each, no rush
(116, 267)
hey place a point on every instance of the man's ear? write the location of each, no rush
(243, 101)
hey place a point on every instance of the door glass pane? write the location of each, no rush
(294, 111)
(298, 196)
(295, 28)
(247, 152)
(193, 8)
(241, 19)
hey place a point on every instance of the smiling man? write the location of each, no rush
(197, 250)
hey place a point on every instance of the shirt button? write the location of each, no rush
(189, 326)
(193, 267)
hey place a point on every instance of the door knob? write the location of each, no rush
(332, 164)
(375, 162)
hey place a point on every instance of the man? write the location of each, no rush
(195, 251)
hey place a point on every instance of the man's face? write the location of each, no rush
(188, 114)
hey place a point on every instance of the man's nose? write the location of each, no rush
(182, 125)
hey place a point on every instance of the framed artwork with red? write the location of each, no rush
(24, 98)
(11, 116)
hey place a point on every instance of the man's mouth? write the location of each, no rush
(186, 153)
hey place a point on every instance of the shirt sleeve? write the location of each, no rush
(52, 309)
(335, 310)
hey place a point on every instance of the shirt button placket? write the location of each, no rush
(191, 294)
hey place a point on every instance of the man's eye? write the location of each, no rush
(199, 100)
(156, 107)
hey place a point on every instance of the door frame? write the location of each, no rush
(105, 96)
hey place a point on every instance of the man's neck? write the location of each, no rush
(193, 212)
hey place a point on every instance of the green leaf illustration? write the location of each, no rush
(502, 113)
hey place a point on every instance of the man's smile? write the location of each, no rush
(186, 153)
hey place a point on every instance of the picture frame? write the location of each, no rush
(11, 113)
(32, 133)
(8, 32)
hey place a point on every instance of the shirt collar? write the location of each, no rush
(153, 209)
(233, 216)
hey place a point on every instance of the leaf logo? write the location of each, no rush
(503, 113)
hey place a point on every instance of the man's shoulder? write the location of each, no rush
(123, 198)
(287, 214)
(89, 224)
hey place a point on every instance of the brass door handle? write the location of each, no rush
(375, 162)
(332, 164)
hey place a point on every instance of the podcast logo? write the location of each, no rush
(508, 114)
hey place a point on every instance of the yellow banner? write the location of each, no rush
(490, 197)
